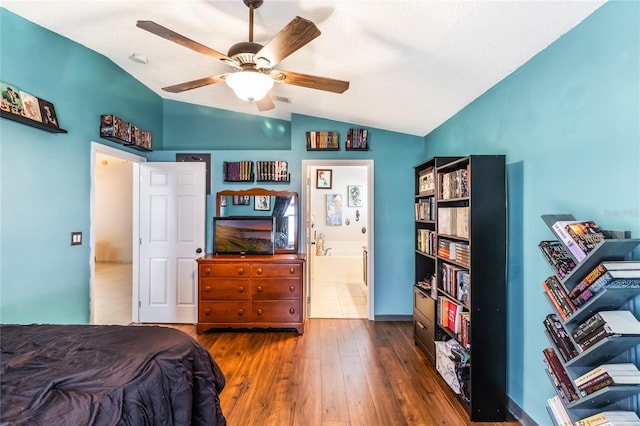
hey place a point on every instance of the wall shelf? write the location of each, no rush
(29, 122)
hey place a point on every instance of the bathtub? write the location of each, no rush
(344, 262)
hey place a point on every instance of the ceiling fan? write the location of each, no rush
(254, 75)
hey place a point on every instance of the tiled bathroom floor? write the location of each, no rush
(112, 292)
(330, 299)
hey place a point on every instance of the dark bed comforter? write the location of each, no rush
(106, 375)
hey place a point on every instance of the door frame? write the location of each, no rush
(307, 166)
(97, 147)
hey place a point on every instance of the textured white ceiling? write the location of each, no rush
(411, 64)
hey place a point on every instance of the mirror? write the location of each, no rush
(263, 202)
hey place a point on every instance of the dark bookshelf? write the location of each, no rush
(487, 246)
(29, 122)
(616, 348)
(127, 144)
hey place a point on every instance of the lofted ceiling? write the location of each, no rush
(411, 64)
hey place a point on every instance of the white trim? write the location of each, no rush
(306, 168)
(96, 148)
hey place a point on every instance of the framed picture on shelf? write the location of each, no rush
(241, 200)
(262, 202)
(323, 178)
(355, 196)
(223, 201)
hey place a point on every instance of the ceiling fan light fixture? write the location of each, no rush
(250, 85)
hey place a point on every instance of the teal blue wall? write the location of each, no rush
(393, 153)
(45, 177)
(569, 123)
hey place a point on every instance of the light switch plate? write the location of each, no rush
(76, 238)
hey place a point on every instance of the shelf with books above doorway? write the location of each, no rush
(322, 140)
(594, 324)
(272, 171)
(357, 140)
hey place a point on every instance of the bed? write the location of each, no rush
(106, 375)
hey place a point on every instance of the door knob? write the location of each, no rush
(198, 250)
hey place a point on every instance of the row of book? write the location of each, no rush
(454, 184)
(427, 241)
(579, 236)
(276, 171)
(323, 140)
(561, 380)
(453, 221)
(452, 316)
(112, 126)
(606, 275)
(427, 181)
(454, 250)
(456, 282)
(611, 418)
(357, 139)
(599, 326)
(424, 209)
(237, 171)
(606, 375)
(21, 103)
(559, 412)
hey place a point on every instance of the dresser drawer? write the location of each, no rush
(289, 289)
(276, 270)
(424, 336)
(224, 270)
(276, 311)
(229, 312)
(424, 304)
(224, 288)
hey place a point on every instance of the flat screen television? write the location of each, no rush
(243, 234)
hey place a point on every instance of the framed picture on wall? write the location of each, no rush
(323, 178)
(355, 196)
(262, 202)
(334, 209)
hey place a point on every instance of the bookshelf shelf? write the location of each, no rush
(610, 349)
(29, 122)
(484, 245)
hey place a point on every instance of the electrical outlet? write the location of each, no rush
(76, 238)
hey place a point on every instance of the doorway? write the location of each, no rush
(338, 236)
(113, 257)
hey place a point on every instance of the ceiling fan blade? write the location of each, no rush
(170, 35)
(292, 37)
(177, 88)
(311, 81)
(266, 103)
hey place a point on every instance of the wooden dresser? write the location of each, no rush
(253, 291)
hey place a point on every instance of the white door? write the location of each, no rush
(172, 236)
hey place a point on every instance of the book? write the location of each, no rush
(559, 412)
(561, 379)
(48, 113)
(622, 322)
(597, 272)
(605, 417)
(11, 100)
(560, 337)
(607, 380)
(586, 234)
(557, 257)
(557, 291)
(604, 368)
(628, 278)
(561, 232)
(31, 107)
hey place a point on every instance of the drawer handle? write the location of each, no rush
(259, 311)
(207, 289)
(207, 271)
(240, 312)
(292, 289)
(240, 289)
(259, 289)
(292, 311)
(207, 311)
(240, 271)
(259, 271)
(421, 325)
(292, 270)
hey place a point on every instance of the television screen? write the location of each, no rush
(243, 234)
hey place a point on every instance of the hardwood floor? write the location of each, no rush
(341, 372)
